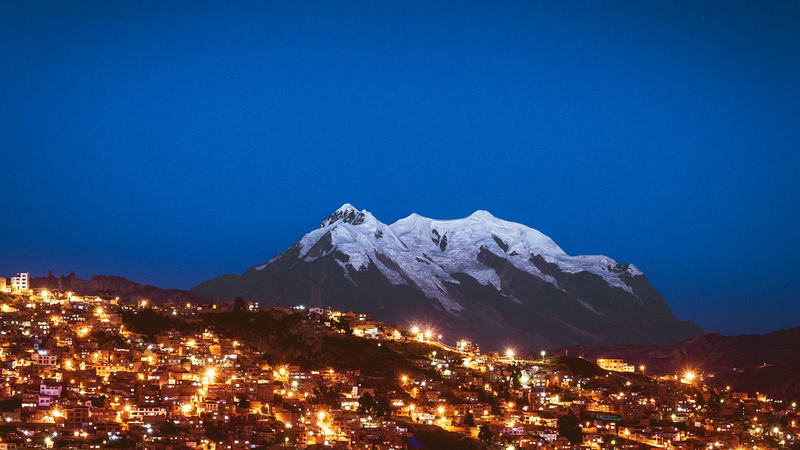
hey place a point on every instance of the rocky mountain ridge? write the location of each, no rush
(496, 282)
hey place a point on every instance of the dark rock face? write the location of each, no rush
(346, 216)
(323, 246)
(501, 243)
(126, 290)
(548, 268)
(440, 240)
(615, 315)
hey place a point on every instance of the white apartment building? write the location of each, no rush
(43, 359)
(141, 412)
(53, 390)
(45, 400)
(20, 282)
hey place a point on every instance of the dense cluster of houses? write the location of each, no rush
(73, 376)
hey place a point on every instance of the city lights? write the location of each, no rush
(210, 375)
(201, 377)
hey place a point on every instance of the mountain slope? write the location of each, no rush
(496, 282)
(126, 290)
(768, 363)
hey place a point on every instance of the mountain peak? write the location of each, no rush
(481, 215)
(346, 207)
(347, 213)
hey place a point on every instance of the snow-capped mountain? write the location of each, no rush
(502, 280)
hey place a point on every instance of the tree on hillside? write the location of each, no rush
(325, 396)
(568, 428)
(342, 325)
(368, 404)
(485, 434)
(469, 419)
(238, 304)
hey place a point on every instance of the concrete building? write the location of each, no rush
(617, 365)
(42, 358)
(139, 413)
(20, 282)
(52, 390)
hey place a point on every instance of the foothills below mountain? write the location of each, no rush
(114, 286)
(491, 281)
(767, 364)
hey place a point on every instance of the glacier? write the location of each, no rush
(425, 252)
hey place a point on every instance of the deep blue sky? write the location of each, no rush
(170, 142)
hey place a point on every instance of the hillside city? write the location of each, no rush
(95, 372)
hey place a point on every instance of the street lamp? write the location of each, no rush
(210, 375)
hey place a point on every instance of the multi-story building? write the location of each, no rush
(20, 283)
(616, 365)
(147, 411)
(77, 416)
(53, 390)
(42, 358)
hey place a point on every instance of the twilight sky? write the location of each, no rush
(171, 142)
